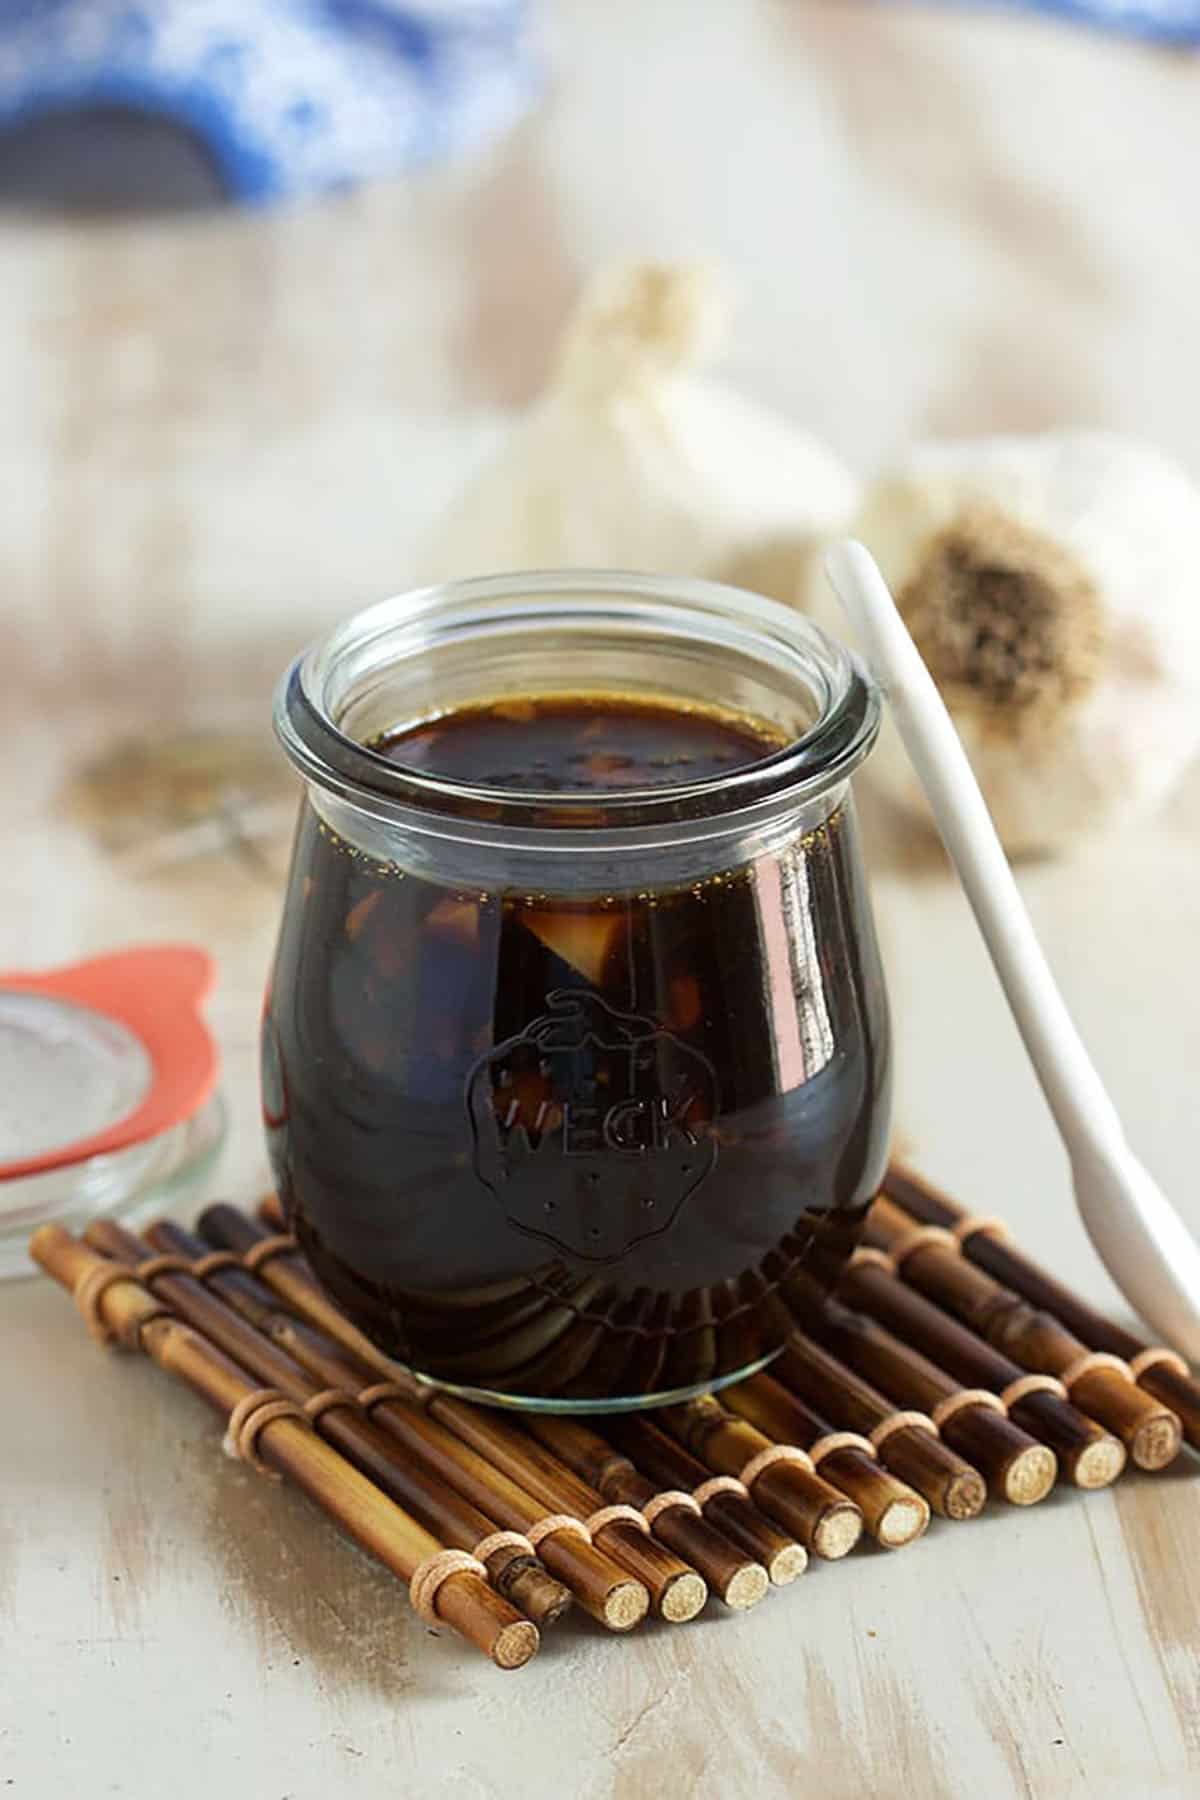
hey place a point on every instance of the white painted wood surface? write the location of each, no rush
(219, 435)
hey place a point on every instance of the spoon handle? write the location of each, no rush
(1085, 1115)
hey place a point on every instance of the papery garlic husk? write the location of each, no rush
(631, 459)
(1052, 585)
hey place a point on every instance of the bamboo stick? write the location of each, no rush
(918, 1454)
(603, 1585)
(1150, 1431)
(671, 1466)
(826, 1522)
(520, 1577)
(739, 1581)
(464, 1601)
(894, 1513)
(1090, 1456)
(1017, 1467)
(1160, 1372)
(235, 1285)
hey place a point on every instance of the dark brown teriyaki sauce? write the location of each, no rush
(590, 1149)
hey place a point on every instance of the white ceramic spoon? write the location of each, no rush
(1139, 1236)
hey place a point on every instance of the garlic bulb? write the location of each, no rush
(1052, 585)
(632, 460)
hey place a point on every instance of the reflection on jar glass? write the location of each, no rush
(576, 1061)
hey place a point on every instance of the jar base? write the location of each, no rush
(613, 1403)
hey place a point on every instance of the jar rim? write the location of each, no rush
(313, 695)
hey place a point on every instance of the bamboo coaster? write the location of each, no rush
(958, 1368)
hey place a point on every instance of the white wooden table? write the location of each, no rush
(219, 435)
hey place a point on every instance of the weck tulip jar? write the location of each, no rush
(576, 1061)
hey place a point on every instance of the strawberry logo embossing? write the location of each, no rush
(592, 1127)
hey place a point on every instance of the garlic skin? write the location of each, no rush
(1052, 585)
(631, 459)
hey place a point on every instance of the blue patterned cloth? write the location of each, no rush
(1160, 21)
(288, 96)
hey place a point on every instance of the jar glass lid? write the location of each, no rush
(107, 1089)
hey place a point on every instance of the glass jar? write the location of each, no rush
(574, 1099)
